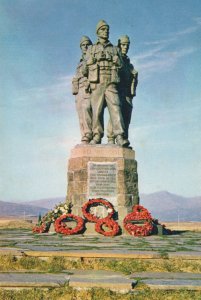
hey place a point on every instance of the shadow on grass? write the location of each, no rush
(177, 232)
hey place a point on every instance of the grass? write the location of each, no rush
(8, 244)
(189, 226)
(192, 242)
(164, 254)
(15, 224)
(10, 262)
(126, 266)
(67, 293)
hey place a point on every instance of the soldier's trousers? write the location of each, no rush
(84, 110)
(126, 109)
(106, 95)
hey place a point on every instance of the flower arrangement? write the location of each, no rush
(141, 215)
(59, 210)
(45, 222)
(61, 227)
(110, 223)
(43, 228)
(96, 202)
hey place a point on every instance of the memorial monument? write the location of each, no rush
(102, 194)
(105, 79)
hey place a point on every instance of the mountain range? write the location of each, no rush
(163, 205)
(20, 209)
(166, 206)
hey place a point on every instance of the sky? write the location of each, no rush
(38, 121)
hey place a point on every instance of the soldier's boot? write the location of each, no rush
(85, 141)
(121, 141)
(111, 140)
(86, 138)
(96, 140)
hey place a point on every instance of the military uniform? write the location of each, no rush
(127, 90)
(104, 63)
(81, 90)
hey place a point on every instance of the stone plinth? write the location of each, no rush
(103, 171)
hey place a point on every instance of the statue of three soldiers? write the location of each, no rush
(104, 77)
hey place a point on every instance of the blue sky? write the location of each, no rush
(39, 125)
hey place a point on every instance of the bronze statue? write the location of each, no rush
(81, 88)
(103, 64)
(127, 88)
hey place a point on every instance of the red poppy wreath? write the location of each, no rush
(61, 227)
(97, 202)
(111, 224)
(140, 215)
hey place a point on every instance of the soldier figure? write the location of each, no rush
(81, 88)
(127, 87)
(103, 63)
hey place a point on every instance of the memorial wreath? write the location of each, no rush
(61, 227)
(97, 202)
(109, 223)
(139, 213)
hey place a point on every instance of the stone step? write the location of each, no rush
(169, 280)
(104, 279)
(27, 280)
(173, 284)
(101, 278)
(75, 278)
(45, 251)
(166, 275)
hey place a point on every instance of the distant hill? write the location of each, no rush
(48, 203)
(170, 207)
(163, 205)
(17, 209)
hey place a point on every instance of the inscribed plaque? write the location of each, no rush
(102, 181)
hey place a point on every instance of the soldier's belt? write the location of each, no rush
(82, 80)
(105, 78)
(109, 76)
(82, 85)
(105, 73)
(105, 69)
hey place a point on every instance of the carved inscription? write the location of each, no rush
(102, 181)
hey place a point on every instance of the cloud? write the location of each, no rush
(161, 41)
(62, 85)
(198, 20)
(187, 117)
(172, 37)
(187, 30)
(52, 97)
(157, 60)
(149, 53)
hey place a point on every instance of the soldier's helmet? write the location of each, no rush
(100, 24)
(84, 39)
(124, 39)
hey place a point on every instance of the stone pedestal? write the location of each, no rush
(103, 171)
